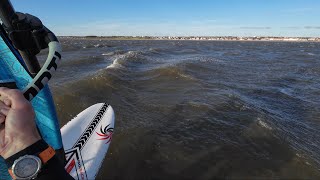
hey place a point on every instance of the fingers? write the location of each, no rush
(5, 100)
(12, 97)
(11, 94)
(4, 108)
(4, 111)
(2, 118)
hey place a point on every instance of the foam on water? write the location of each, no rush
(115, 64)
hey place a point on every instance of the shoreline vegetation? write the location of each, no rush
(199, 38)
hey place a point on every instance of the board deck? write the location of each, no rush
(86, 140)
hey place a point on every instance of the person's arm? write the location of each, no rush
(19, 135)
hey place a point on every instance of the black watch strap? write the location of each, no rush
(34, 149)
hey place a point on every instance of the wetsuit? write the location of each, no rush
(53, 169)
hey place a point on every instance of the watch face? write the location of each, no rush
(26, 166)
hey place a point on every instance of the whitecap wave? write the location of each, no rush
(115, 64)
(263, 124)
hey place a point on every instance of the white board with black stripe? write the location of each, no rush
(86, 140)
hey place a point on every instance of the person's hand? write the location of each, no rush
(17, 122)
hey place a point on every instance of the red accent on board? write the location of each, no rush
(70, 166)
(105, 136)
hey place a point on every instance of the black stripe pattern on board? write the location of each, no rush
(92, 126)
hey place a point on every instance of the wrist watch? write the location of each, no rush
(28, 162)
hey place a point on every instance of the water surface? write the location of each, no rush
(199, 109)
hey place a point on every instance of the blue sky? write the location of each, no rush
(177, 17)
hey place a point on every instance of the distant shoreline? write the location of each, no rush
(199, 38)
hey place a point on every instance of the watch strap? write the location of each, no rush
(34, 149)
(44, 155)
(11, 173)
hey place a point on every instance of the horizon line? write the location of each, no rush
(189, 36)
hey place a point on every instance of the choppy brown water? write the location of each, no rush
(199, 110)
